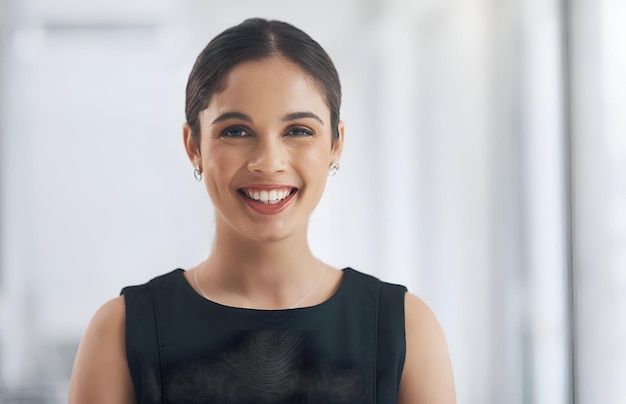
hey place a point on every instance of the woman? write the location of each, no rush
(262, 320)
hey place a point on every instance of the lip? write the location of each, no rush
(267, 208)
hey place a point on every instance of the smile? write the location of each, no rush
(269, 196)
(268, 201)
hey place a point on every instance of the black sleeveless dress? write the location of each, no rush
(182, 348)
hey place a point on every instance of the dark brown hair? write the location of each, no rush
(257, 39)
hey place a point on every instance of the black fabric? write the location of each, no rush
(182, 348)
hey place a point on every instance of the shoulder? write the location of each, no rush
(427, 375)
(162, 280)
(100, 373)
(363, 278)
(106, 325)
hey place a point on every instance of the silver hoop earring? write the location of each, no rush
(332, 170)
(197, 174)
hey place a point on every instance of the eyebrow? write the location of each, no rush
(300, 115)
(231, 115)
(289, 117)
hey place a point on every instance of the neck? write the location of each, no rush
(269, 274)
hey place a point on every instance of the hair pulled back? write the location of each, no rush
(257, 39)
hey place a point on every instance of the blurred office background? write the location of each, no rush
(484, 168)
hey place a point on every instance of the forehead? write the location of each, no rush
(273, 84)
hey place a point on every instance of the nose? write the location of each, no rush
(269, 156)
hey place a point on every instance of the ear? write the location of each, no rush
(192, 147)
(337, 147)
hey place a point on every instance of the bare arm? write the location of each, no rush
(427, 375)
(100, 373)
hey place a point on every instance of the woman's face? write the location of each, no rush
(265, 149)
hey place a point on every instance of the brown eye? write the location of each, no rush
(299, 131)
(235, 132)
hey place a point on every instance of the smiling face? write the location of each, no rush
(265, 149)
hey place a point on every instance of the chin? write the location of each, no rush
(269, 234)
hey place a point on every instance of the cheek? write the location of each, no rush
(315, 161)
(220, 160)
(219, 169)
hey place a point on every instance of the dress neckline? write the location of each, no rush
(345, 280)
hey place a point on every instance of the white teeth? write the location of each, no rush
(272, 197)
